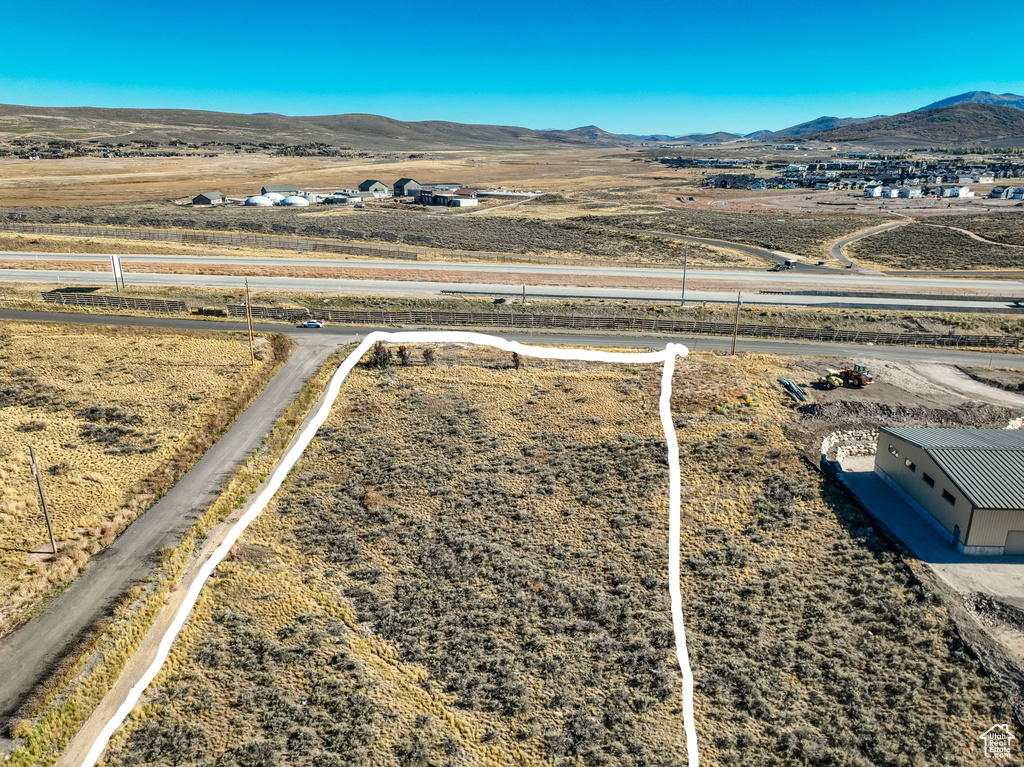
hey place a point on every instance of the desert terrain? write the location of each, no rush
(114, 417)
(444, 518)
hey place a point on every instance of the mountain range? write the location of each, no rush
(979, 97)
(975, 117)
(358, 131)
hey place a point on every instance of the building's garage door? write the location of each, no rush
(1014, 542)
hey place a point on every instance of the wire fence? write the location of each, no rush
(116, 302)
(584, 322)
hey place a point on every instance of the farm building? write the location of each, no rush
(459, 197)
(209, 198)
(285, 190)
(967, 483)
(377, 188)
(406, 187)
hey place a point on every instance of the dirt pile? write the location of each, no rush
(1010, 380)
(884, 414)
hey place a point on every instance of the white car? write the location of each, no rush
(312, 324)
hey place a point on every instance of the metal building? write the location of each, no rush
(968, 483)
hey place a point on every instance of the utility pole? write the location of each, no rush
(686, 257)
(524, 295)
(248, 316)
(736, 324)
(42, 498)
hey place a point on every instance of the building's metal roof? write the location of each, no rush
(280, 188)
(991, 479)
(986, 464)
(993, 439)
(213, 195)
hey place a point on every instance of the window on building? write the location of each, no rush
(949, 497)
(910, 464)
(928, 480)
(893, 450)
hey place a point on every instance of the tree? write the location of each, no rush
(428, 356)
(403, 355)
(517, 361)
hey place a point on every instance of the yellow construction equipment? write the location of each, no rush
(831, 379)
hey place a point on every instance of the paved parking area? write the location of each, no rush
(999, 577)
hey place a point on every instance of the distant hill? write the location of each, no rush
(593, 133)
(816, 126)
(720, 137)
(359, 131)
(648, 137)
(757, 134)
(964, 123)
(979, 97)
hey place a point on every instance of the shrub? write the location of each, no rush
(380, 355)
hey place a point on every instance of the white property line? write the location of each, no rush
(291, 458)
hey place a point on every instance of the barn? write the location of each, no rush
(209, 198)
(967, 483)
(285, 190)
(377, 188)
(406, 187)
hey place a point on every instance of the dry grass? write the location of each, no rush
(83, 181)
(454, 576)
(922, 246)
(57, 710)
(113, 414)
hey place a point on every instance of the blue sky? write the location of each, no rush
(626, 67)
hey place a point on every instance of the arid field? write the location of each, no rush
(114, 415)
(469, 567)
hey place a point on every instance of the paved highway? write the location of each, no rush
(833, 279)
(432, 289)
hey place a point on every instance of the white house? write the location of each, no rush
(910, 193)
(962, 191)
(873, 191)
(890, 191)
(984, 178)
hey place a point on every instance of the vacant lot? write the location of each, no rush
(919, 246)
(114, 415)
(802, 235)
(406, 226)
(452, 577)
(998, 227)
